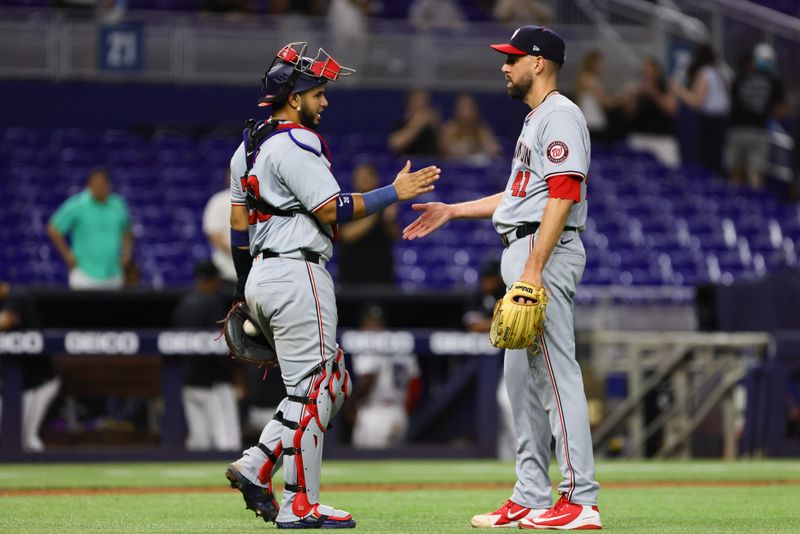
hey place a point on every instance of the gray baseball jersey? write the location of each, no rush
(290, 172)
(546, 389)
(554, 141)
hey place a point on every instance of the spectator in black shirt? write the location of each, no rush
(209, 398)
(480, 306)
(418, 132)
(756, 96)
(365, 249)
(650, 108)
(39, 381)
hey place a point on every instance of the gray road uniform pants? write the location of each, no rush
(546, 389)
(295, 305)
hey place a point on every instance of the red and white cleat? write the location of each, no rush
(566, 515)
(507, 516)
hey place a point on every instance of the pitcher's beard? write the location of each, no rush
(519, 90)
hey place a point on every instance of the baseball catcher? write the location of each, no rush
(285, 205)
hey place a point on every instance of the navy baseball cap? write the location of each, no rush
(534, 41)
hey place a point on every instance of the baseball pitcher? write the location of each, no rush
(539, 217)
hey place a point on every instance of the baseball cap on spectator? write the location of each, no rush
(534, 41)
(489, 267)
(205, 270)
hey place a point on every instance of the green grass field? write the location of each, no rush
(637, 497)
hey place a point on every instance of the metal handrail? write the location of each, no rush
(650, 359)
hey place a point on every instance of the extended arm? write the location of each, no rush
(351, 206)
(437, 214)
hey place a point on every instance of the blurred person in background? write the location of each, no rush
(707, 94)
(517, 12)
(216, 226)
(592, 97)
(389, 388)
(39, 381)
(209, 397)
(418, 132)
(99, 227)
(348, 21)
(366, 245)
(480, 305)
(757, 96)
(478, 318)
(650, 108)
(467, 135)
(436, 14)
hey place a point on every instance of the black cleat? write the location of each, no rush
(260, 500)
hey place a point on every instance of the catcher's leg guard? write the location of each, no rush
(252, 473)
(312, 404)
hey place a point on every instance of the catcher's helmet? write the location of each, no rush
(293, 72)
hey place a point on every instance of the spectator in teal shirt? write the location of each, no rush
(99, 226)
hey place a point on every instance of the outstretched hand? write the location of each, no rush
(412, 184)
(434, 215)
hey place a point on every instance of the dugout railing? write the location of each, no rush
(694, 372)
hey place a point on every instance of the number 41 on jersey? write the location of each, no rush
(520, 184)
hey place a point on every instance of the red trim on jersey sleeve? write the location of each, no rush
(324, 202)
(565, 186)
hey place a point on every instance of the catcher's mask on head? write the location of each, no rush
(293, 72)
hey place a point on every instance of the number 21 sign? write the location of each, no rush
(121, 48)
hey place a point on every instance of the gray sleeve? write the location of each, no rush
(238, 168)
(564, 147)
(306, 173)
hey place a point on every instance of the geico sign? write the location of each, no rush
(191, 343)
(461, 343)
(21, 343)
(380, 342)
(101, 343)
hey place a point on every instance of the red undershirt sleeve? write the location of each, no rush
(565, 186)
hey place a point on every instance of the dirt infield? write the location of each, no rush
(155, 490)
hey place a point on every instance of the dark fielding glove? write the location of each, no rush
(250, 348)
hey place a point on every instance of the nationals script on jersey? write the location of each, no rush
(290, 172)
(554, 141)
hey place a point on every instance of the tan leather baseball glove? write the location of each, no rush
(518, 318)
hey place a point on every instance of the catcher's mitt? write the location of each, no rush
(250, 348)
(518, 318)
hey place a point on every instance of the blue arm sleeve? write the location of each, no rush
(380, 198)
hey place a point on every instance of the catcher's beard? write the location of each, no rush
(520, 89)
(308, 118)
